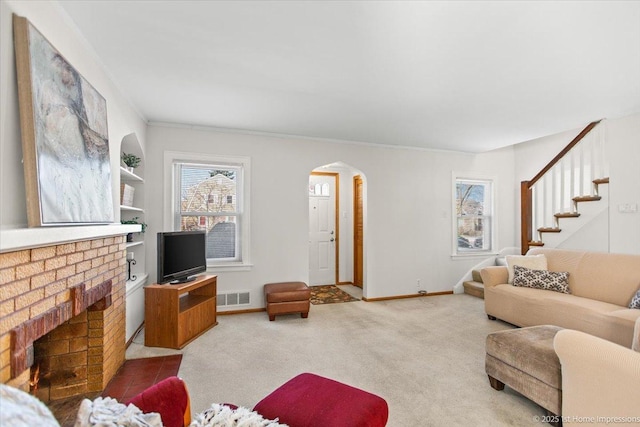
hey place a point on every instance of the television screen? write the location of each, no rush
(181, 254)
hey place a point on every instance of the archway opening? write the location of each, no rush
(337, 227)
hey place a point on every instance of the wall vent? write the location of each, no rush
(233, 298)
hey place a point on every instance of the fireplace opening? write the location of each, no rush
(61, 361)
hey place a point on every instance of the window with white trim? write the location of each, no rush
(209, 196)
(473, 215)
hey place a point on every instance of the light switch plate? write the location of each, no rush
(628, 208)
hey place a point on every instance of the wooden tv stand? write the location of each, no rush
(175, 315)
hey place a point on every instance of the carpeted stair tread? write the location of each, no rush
(473, 288)
(476, 277)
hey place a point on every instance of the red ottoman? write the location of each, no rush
(309, 400)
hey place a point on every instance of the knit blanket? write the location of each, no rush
(224, 416)
(108, 412)
(20, 409)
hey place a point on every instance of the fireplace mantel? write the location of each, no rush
(26, 238)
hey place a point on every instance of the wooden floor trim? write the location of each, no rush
(430, 294)
(249, 310)
(135, 334)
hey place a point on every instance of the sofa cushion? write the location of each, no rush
(557, 281)
(527, 306)
(635, 301)
(534, 262)
(608, 277)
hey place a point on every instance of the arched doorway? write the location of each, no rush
(337, 218)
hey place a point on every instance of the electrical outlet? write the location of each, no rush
(419, 288)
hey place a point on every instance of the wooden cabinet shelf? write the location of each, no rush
(175, 315)
(188, 302)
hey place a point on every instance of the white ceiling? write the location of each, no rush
(467, 76)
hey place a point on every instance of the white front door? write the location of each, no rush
(322, 230)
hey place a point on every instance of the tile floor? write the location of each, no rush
(134, 376)
(352, 290)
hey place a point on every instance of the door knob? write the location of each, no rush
(332, 239)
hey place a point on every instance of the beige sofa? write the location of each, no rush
(600, 379)
(601, 286)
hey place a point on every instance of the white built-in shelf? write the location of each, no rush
(132, 285)
(129, 176)
(132, 244)
(130, 208)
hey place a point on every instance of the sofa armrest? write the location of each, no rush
(636, 336)
(494, 275)
(599, 379)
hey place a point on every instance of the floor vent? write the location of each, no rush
(233, 298)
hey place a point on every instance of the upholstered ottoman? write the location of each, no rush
(287, 297)
(310, 400)
(524, 359)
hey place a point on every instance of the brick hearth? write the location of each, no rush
(63, 306)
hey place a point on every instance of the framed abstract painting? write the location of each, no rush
(65, 143)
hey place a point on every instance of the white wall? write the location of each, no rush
(53, 23)
(623, 147)
(409, 206)
(624, 188)
(409, 196)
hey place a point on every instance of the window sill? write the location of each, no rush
(474, 255)
(215, 268)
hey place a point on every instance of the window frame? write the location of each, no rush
(173, 215)
(489, 181)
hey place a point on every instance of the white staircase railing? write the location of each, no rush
(571, 177)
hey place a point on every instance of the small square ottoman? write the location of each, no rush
(309, 400)
(286, 298)
(524, 359)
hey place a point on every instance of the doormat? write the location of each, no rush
(329, 294)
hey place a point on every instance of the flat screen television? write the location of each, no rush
(181, 255)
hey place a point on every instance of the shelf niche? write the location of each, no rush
(136, 249)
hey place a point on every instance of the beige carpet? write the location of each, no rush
(425, 356)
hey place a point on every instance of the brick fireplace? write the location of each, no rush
(62, 313)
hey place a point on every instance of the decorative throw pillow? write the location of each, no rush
(106, 411)
(224, 416)
(635, 301)
(534, 262)
(557, 281)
